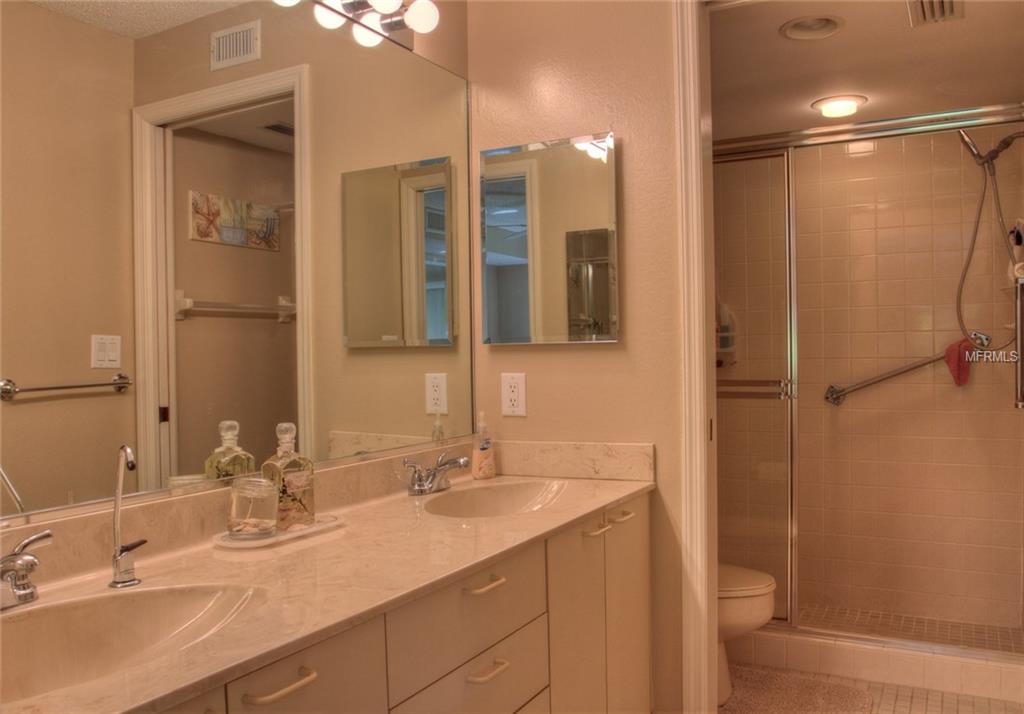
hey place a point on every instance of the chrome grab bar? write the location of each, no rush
(9, 389)
(835, 395)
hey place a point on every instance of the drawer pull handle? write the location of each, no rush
(500, 665)
(308, 677)
(603, 528)
(622, 517)
(496, 582)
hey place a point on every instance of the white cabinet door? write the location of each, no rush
(576, 612)
(211, 702)
(627, 548)
(346, 674)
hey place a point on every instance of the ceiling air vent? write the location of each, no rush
(926, 12)
(235, 45)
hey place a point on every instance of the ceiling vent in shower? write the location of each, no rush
(235, 45)
(926, 12)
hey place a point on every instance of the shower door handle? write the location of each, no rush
(778, 389)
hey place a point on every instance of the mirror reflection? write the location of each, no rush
(207, 266)
(396, 254)
(550, 253)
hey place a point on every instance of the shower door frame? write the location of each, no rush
(785, 144)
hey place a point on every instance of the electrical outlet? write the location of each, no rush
(105, 352)
(437, 393)
(513, 394)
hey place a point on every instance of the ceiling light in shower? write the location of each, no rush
(368, 31)
(841, 106)
(287, 3)
(328, 14)
(811, 28)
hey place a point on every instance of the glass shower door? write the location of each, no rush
(754, 367)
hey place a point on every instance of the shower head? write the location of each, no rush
(971, 147)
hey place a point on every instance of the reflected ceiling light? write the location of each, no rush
(422, 16)
(811, 28)
(328, 14)
(287, 3)
(368, 31)
(840, 106)
(384, 7)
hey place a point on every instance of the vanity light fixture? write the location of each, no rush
(594, 148)
(374, 19)
(839, 106)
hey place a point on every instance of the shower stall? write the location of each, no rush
(887, 501)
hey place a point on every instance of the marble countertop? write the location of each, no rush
(389, 551)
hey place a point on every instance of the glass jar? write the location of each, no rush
(253, 511)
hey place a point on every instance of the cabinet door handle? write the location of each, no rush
(496, 582)
(500, 665)
(622, 517)
(603, 528)
(308, 676)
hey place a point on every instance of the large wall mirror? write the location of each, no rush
(255, 259)
(550, 252)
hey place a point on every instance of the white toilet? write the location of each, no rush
(746, 601)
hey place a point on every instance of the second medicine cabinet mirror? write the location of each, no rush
(550, 252)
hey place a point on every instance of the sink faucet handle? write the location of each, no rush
(32, 540)
(442, 458)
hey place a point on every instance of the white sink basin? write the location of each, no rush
(55, 646)
(497, 499)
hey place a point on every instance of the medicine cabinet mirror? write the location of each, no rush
(550, 244)
(396, 255)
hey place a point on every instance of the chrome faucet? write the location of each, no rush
(435, 478)
(123, 560)
(16, 570)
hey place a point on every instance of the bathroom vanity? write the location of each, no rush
(518, 594)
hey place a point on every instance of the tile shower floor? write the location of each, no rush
(908, 627)
(897, 699)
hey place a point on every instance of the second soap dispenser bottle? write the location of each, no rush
(292, 473)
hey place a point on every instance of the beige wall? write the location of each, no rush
(67, 261)
(447, 45)
(911, 492)
(557, 69)
(753, 438)
(219, 360)
(369, 107)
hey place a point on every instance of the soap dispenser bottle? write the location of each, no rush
(229, 459)
(292, 473)
(483, 452)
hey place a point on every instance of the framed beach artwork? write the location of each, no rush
(232, 221)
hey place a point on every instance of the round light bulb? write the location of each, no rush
(326, 18)
(422, 16)
(363, 31)
(834, 107)
(385, 7)
(287, 3)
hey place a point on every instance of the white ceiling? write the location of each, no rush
(249, 125)
(764, 83)
(137, 18)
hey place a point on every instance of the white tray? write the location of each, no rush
(322, 524)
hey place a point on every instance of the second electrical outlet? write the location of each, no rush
(437, 392)
(513, 394)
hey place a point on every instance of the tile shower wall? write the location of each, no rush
(911, 494)
(750, 260)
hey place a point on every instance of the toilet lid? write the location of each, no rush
(734, 581)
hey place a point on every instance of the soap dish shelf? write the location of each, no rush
(323, 524)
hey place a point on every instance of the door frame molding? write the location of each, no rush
(699, 507)
(154, 306)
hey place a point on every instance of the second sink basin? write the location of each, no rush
(495, 499)
(55, 646)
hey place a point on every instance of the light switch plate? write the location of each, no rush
(105, 352)
(513, 394)
(437, 392)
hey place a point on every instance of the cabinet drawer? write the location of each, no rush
(540, 704)
(440, 631)
(502, 679)
(346, 674)
(211, 702)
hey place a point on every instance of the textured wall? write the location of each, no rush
(911, 492)
(547, 70)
